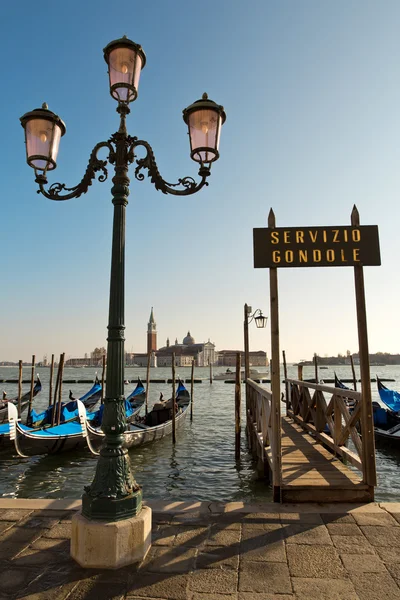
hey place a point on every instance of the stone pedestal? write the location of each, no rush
(102, 545)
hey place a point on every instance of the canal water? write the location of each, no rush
(201, 466)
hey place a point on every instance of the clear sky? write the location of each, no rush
(312, 96)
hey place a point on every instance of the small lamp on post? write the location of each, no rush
(114, 497)
(261, 323)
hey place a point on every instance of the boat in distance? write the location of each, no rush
(254, 374)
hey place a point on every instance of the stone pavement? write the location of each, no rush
(211, 551)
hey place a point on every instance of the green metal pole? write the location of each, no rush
(114, 494)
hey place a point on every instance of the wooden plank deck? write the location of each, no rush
(310, 473)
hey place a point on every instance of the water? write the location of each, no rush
(202, 464)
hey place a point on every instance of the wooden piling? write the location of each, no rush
(286, 383)
(173, 400)
(316, 367)
(191, 391)
(19, 386)
(147, 383)
(60, 388)
(354, 373)
(300, 372)
(53, 412)
(211, 373)
(237, 407)
(103, 376)
(51, 380)
(31, 390)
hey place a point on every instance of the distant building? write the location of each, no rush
(203, 354)
(227, 358)
(151, 334)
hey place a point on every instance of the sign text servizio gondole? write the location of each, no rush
(316, 246)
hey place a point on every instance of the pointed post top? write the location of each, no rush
(355, 216)
(271, 218)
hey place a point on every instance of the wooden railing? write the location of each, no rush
(260, 410)
(333, 422)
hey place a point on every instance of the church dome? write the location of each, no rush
(188, 340)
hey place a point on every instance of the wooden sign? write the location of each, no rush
(316, 246)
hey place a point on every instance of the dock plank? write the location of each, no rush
(311, 472)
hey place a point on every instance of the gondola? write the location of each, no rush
(387, 420)
(154, 426)
(69, 409)
(24, 401)
(91, 397)
(51, 440)
(138, 393)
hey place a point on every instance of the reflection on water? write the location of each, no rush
(201, 466)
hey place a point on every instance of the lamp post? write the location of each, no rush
(261, 323)
(113, 494)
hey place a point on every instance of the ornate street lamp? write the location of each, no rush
(261, 322)
(114, 495)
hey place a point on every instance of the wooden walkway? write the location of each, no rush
(305, 453)
(311, 473)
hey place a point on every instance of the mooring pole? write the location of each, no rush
(237, 407)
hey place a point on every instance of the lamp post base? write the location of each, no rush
(105, 545)
(110, 509)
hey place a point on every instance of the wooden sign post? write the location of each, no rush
(352, 246)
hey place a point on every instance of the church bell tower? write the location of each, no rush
(151, 334)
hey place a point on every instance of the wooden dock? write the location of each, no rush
(310, 472)
(305, 455)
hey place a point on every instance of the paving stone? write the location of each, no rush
(314, 561)
(53, 544)
(200, 596)
(307, 534)
(192, 536)
(14, 514)
(197, 518)
(226, 522)
(261, 576)
(382, 536)
(170, 560)
(9, 550)
(264, 596)
(363, 564)
(4, 525)
(274, 533)
(32, 557)
(396, 516)
(337, 518)
(90, 589)
(218, 558)
(352, 544)
(165, 535)
(212, 581)
(59, 531)
(343, 529)
(323, 589)
(260, 519)
(158, 585)
(58, 592)
(263, 548)
(394, 571)
(388, 555)
(382, 519)
(300, 518)
(12, 580)
(375, 586)
(22, 535)
(34, 521)
(222, 537)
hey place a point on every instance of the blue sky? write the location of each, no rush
(312, 96)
